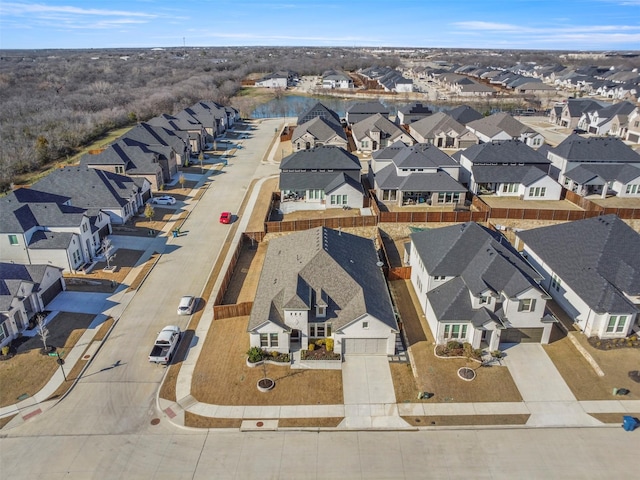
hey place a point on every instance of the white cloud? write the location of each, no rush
(12, 8)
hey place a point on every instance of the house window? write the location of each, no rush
(338, 199)
(484, 300)
(13, 239)
(119, 169)
(438, 279)
(555, 282)
(509, 187)
(365, 325)
(446, 197)
(389, 195)
(616, 323)
(633, 189)
(318, 330)
(273, 339)
(316, 194)
(527, 305)
(264, 340)
(455, 331)
(84, 227)
(4, 332)
(537, 191)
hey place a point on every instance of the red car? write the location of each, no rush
(225, 217)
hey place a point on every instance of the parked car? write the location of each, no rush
(164, 200)
(226, 217)
(165, 344)
(186, 305)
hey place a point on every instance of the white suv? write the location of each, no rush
(186, 306)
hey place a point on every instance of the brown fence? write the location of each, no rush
(287, 133)
(337, 222)
(582, 202)
(254, 236)
(399, 273)
(230, 311)
(227, 275)
(426, 217)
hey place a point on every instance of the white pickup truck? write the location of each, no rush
(165, 344)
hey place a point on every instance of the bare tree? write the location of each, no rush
(107, 251)
(149, 211)
(42, 330)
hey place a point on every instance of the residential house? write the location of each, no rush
(633, 128)
(317, 132)
(376, 132)
(215, 118)
(25, 290)
(474, 287)
(573, 109)
(597, 166)
(360, 111)
(610, 120)
(153, 137)
(502, 126)
(282, 79)
(335, 79)
(591, 268)
(320, 284)
(134, 159)
(95, 190)
(326, 175)
(37, 227)
(412, 112)
(319, 110)
(442, 131)
(193, 128)
(420, 174)
(509, 168)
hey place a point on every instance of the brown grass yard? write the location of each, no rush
(261, 208)
(328, 213)
(450, 420)
(438, 375)
(28, 371)
(244, 281)
(221, 376)
(583, 380)
(124, 259)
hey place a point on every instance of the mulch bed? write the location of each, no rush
(319, 353)
(614, 343)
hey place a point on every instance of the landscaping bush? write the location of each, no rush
(329, 345)
(320, 342)
(312, 347)
(453, 345)
(255, 354)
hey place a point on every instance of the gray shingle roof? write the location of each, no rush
(89, 187)
(321, 129)
(609, 172)
(338, 266)
(435, 124)
(598, 258)
(476, 254)
(157, 135)
(319, 110)
(18, 217)
(595, 149)
(325, 181)
(323, 157)
(526, 174)
(42, 240)
(375, 123)
(500, 122)
(507, 152)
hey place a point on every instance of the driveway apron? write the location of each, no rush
(543, 389)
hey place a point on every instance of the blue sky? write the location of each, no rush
(519, 24)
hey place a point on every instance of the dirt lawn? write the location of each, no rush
(583, 380)
(261, 208)
(29, 371)
(246, 274)
(221, 376)
(438, 375)
(124, 259)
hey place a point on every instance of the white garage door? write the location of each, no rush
(365, 346)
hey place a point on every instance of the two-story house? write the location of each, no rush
(502, 126)
(376, 132)
(317, 132)
(442, 131)
(474, 287)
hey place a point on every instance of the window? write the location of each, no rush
(616, 323)
(484, 300)
(338, 199)
(527, 305)
(273, 339)
(537, 191)
(365, 325)
(633, 189)
(264, 340)
(13, 239)
(509, 187)
(320, 330)
(455, 331)
(389, 195)
(555, 282)
(119, 169)
(438, 279)
(4, 333)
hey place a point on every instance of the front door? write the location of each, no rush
(295, 336)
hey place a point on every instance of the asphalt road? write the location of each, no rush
(103, 428)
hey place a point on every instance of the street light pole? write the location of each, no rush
(61, 362)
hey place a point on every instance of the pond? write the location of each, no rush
(295, 105)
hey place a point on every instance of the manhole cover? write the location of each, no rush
(155, 421)
(259, 424)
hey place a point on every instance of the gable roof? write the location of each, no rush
(464, 114)
(608, 172)
(158, 135)
(326, 157)
(19, 217)
(12, 275)
(575, 148)
(338, 267)
(319, 110)
(430, 127)
(599, 258)
(375, 123)
(500, 122)
(507, 152)
(320, 129)
(388, 179)
(524, 174)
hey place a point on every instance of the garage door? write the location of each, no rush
(51, 292)
(365, 346)
(521, 335)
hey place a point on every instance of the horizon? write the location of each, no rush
(540, 25)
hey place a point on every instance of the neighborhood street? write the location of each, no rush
(106, 427)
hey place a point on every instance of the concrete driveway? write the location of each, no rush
(82, 302)
(543, 389)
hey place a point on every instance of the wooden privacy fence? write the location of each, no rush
(230, 311)
(337, 222)
(426, 217)
(228, 274)
(392, 273)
